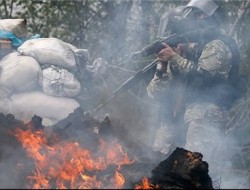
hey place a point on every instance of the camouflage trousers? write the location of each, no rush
(205, 123)
(206, 126)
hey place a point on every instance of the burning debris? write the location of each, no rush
(181, 170)
(80, 152)
(63, 162)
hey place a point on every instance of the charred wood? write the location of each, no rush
(183, 169)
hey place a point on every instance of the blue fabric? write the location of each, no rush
(35, 36)
(15, 41)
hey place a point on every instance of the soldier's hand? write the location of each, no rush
(166, 54)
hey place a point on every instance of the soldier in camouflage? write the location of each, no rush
(198, 88)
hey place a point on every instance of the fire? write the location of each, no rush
(118, 180)
(67, 165)
(146, 185)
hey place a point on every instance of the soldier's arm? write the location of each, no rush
(158, 86)
(214, 62)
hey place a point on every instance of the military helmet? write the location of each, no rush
(208, 7)
(205, 14)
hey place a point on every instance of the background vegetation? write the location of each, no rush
(113, 29)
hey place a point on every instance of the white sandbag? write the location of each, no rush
(16, 26)
(25, 105)
(50, 51)
(19, 74)
(60, 82)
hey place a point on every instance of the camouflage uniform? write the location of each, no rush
(205, 97)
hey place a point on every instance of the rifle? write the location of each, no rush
(155, 47)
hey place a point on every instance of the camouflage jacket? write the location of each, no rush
(204, 80)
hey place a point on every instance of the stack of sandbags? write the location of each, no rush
(59, 62)
(40, 79)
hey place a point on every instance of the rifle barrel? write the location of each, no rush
(127, 84)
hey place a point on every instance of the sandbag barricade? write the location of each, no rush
(39, 79)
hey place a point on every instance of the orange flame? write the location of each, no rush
(146, 185)
(67, 165)
(118, 180)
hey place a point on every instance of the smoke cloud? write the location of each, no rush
(139, 116)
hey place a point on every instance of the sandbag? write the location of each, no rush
(15, 26)
(24, 105)
(60, 82)
(50, 51)
(19, 74)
